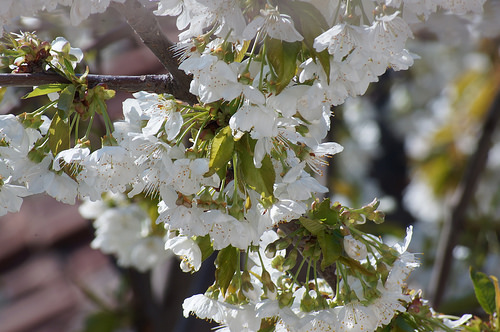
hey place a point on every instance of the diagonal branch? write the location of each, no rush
(149, 83)
(145, 25)
(463, 197)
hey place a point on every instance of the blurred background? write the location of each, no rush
(415, 141)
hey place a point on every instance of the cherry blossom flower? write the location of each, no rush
(273, 24)
(122, 231)
(11, 196)
(187, 250)
(109, 168)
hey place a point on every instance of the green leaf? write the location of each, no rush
(226, 267)
(259, 179)
(282, 56)
(205, 245)
(406, 323)
(355, 266)
(310, 23)
(497, 294)
(66, 98)
(325, 213)
(308, 20)
(241, 53)
(330, 248)
(69, 67)
(45, 89)
(58, 135)
(312, 225)
(484, 289)
(221, 150)
(103, 93)
(324, 60)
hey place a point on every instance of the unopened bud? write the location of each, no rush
(277, 263)
(379, 217)
(269, 287)
(283, 243)
(285, 299)
(383, 271)
(307, 303)
(271, 291)
(270, 250)
(355, 248)
(290, 260)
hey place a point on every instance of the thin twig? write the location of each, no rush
(150, 83)
(329, 273)
(463, 197)
(146, 26)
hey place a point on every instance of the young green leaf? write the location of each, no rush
(69, 67)
(45, 89)
(58, 134)
(66, 98)
(312, 225)
(205, 245)
(221, 150)
(330, 248)
(484, 289)
(325, 213)
(310, 23)
(497, 294)
(241, 53)
(405, 323)
(259, 179)
(226, 267)
(282, 56)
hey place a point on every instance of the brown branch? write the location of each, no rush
(149, 83)
(145, 25)
(463, 197)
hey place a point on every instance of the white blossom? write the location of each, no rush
(11, 197)
(109, 168)
(187, 250)
(275, 25)
(121, 231)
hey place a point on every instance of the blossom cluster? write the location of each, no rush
(223, 174)
(366, 310)
(79, 9)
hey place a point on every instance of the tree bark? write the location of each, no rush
(145, 25)
(149, 83)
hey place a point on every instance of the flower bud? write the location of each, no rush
(271, 250)
(290, 261)
(249, 291)
(307, 303)
(269, 287)
(277, 263)
(285, 299)
(354, 248)
(283, 243)
(383, 271)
